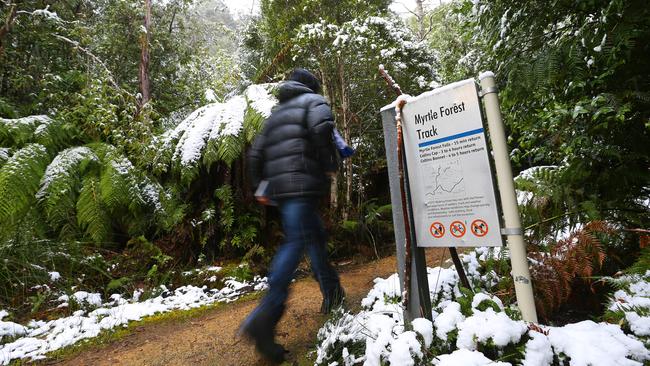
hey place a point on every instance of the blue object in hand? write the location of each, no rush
(345, 151)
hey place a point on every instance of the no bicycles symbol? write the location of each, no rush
(479, 228)
(457, 229)
(437, 230)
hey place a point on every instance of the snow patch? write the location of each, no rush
(596, 344)
(466, 358)
(39, 337)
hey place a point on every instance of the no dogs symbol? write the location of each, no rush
(457, 229)
(479, 228)
(437, 230)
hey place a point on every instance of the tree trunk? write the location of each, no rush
(419, 13)
(4, 30)
(329, 90)
(345, 107)
(144, 55)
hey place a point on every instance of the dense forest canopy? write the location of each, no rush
(124, 125)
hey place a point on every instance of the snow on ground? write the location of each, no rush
(634, 295)
(35, 339)
(476, 329)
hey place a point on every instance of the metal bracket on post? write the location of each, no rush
(512, 231)
(489, 90)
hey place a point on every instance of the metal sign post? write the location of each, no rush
(513, 230)
(418, 289)
(448, 184)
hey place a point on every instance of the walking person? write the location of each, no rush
(292, 158)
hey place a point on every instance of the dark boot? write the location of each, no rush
(261, 330)
(332, 300)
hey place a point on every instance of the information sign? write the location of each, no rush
(449, 172)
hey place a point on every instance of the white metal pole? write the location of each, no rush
(513, 230)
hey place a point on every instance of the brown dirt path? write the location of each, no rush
(211, 339)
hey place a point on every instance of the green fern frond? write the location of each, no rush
(56, 135)
(131, 197)
(211, 153)
(253, 122)
(19, 181)
(103, 151)
(230, 148)
(187, 172)
(116, 186)
(642, 264)
(60, 185)
(91, 213)
(5, 154)
(20, 131)
(173, 209)
(227, 212)
(539, 180)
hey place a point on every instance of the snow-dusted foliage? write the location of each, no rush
(371, 41)
(5, 152)
(473, 329)
(21, 130)
(30, 121)
(215, 132)
(35, 339)
(62, 166)
(631, 303)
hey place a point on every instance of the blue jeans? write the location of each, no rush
(303, 230)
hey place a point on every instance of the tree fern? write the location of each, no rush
(129, 195)
(55, 135)
(223, 143)
(59, 187)
(117, 187)
(91, 213)
(20, 131)
(253, 121)
(215, 133)
(19, 181)
(230, 148)
(260, 101)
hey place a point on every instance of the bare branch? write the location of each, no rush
(76, 45)
(389, 80)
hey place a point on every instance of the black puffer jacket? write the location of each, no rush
(295, 148)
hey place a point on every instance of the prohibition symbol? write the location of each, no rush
(457, 229)
(479, 228)
(437, 230)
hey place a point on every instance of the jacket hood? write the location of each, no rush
(305, 77)
(291, 89)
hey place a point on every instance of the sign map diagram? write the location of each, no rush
(444, 179)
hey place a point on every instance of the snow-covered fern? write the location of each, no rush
(217, 132)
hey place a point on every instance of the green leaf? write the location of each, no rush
(19, 181)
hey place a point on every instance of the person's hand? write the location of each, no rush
(263, 200)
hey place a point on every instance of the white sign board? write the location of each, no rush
(448, 169)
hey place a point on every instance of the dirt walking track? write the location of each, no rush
(210, 339)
